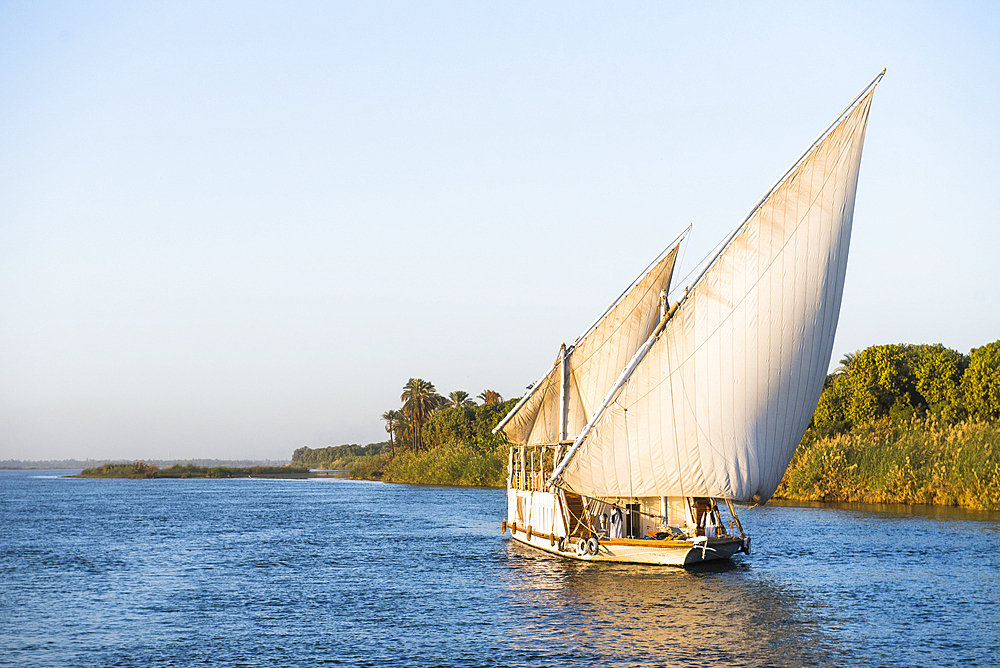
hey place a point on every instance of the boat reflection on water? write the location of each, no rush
(717, 613)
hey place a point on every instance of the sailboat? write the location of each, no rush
(647, 432)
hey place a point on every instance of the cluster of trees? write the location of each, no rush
(321, 457)
(902, 380)
(408, 426)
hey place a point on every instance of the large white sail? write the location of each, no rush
(593, 363)
(719, 403)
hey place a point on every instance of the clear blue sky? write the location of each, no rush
(233, 229)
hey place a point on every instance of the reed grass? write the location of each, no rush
(454, 463)
(144, 470)
(120, 470)
(916, 461)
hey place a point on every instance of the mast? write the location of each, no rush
(619, 383)
(593, 326)
(564, 394)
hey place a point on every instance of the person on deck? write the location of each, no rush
(616, 523)
(710, 522)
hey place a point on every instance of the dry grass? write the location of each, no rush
(450, 464)
(919, 461)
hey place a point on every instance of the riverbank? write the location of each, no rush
(919, 461)
(138, 470)
(457, 447)
(916, 461)
(455, 464)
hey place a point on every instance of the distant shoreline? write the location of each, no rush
(63, 464)
(144, 470)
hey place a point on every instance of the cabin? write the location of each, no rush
(557, 512)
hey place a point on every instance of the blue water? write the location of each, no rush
(336, 572)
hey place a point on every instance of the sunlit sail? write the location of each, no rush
(666, 412)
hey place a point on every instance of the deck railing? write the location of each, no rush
(529, 466)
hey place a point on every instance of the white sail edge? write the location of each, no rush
(777, 184)
(638, 279)
(594, 325)
(733, 468)
(594, 365)
(527, 395)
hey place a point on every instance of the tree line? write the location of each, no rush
(900, 381)
(141, 469)
(332, 454)
(425, 421)
(427, 418)
(449, 439)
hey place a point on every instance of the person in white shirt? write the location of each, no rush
(709, 522)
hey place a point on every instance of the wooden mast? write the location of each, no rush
(564, 394)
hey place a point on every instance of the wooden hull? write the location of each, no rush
(666, 553)
(560, 524)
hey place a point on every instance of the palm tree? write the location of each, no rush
(389, 427)
(403, 436)
(845, 362)
(459, 398)
(393, 421)
(490, 397)
(420, 399)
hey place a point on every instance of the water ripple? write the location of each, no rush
(334, 572)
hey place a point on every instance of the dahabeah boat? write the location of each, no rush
(646, 433)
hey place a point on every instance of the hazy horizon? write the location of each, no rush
(229, 230)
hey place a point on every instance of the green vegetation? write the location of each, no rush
(192, 471)
(900, 381)
(460, 398)
(131, 470)
(420, 400)
(920, 460)
(433, 440)
(462, 449)
(339, 456)
(904, 423)
(144, 470)
(895, 423)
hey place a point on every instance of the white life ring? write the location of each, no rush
(581, 548)
(593, 546)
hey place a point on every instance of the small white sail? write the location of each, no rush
(594, 363)
(719, 403)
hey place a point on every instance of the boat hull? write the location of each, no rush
(665, 553)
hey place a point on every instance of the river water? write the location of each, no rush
(339, 572)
